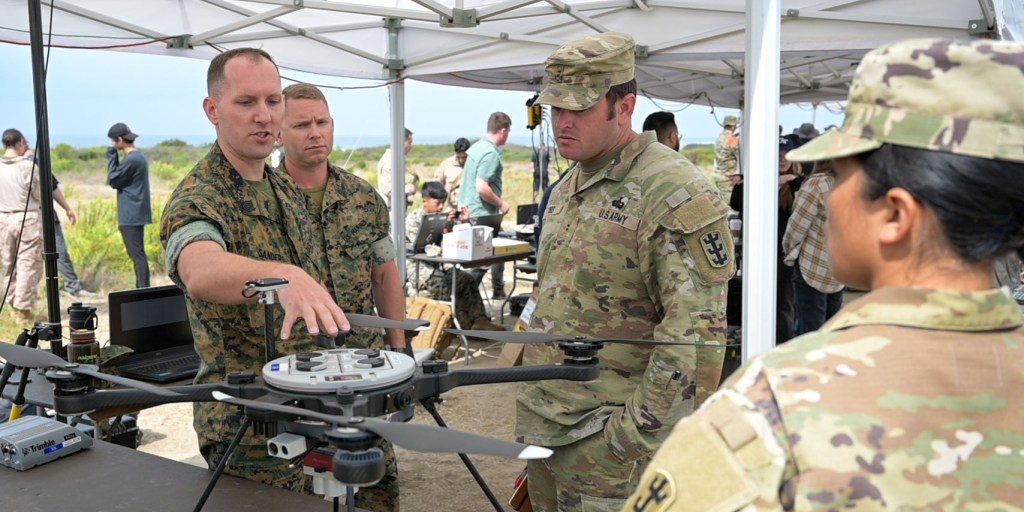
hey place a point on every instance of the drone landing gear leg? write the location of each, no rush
(223, 463)
(430, 404)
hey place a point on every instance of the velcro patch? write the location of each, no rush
(715, 249)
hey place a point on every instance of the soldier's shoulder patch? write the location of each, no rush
(656, 492)
(715, 249)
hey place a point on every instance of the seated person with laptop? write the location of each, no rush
(436, 281)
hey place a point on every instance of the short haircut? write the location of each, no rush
(664, 123)
(616, 93)
(302, 91)
(434, 190)
(215, 73)
(498, 121)
(408, 134)
(462, 145)
(12, 137)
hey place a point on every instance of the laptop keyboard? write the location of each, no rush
(187, 361)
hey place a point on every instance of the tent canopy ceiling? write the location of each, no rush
(688, 50)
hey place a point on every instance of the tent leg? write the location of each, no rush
(396, 90)
(760, 175)
(43, 161)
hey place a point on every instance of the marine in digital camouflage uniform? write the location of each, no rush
(727, 156)
(437, 282)
(637, 247)
(909, 398)
(214, 203)
(350, 223)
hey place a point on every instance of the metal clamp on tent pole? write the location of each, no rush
(461, 18)
(184, 41)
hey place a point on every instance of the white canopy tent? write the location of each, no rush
(688, 51)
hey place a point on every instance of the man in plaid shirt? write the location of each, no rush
(818, 294)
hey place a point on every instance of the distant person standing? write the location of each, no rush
(482, 177)
(449, 173)
(727, 157)
(65, 267)
(130, 177)
(384, 173)
(664, 124)
(541, 159)
(20, 217)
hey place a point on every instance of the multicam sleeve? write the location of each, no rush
(688, 262)
(738, 437)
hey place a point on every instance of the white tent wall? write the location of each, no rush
(688, 51)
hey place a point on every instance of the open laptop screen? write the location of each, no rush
(149, 319)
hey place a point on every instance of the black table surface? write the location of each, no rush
(108, 477)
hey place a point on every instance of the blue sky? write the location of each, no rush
(160, 97)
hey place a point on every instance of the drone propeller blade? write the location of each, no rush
(376, 322)
(509, 337)
(411, 436)
(27, 357)
(543, 337)
(123, 381)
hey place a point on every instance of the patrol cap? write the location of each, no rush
(582, 71)
(961, 97)
(731, 121)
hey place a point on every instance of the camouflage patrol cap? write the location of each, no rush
(961, 97)
(731, 121)
(582, 71)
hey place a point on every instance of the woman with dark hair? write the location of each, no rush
(910, 397)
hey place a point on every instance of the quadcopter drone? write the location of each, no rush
(327, 409)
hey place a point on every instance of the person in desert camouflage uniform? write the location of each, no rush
(350, 222)
(233, 219)
(635, 244)
(910, 398)
(727, 157)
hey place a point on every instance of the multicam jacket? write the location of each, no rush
(230, 338)
(908, 399)
(727, 155)
(640, 249)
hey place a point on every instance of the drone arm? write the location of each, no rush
(471, 377)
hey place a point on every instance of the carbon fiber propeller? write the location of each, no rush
(533, 338)
(27, 357)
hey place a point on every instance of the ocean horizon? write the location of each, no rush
(342, 142)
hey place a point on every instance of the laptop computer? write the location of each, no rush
(491, 221)
(431, 230)
(153, 323)
(526, 214)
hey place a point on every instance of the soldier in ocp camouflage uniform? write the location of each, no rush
(234, 219)
(350, 223)
(635, 244)
(727, 157)
(909, 398)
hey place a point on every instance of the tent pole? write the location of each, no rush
(43, 161)
(396, 90)
(760, 175)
